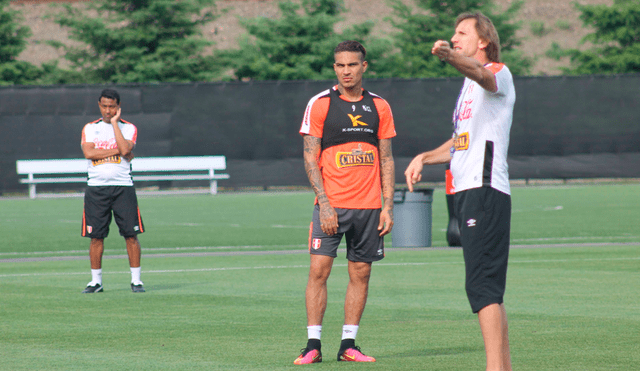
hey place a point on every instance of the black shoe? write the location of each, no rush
(91, 289)
(137, 288)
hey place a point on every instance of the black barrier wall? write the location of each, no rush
(564, 127)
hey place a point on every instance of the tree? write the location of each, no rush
(137, 41)
(616, 39)
(13, 40)
(299, 44)
(435, 21)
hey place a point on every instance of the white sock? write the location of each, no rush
(135, 276)
(349, 331)
(314, 332)
(96, 277)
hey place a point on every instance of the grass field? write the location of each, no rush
(225, 279)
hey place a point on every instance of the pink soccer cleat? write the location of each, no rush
(354, 355)
(308, 356)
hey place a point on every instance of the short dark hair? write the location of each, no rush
(110, 94)
(487, 31)
(351, 46)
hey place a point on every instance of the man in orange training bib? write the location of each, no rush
(347, 135)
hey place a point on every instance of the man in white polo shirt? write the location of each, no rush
(107, 144)
(478, 156)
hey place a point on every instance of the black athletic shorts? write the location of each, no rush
(360, 226)
(484, 215)
(100, 202)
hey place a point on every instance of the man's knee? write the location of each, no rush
(359, 272)
(320, 268)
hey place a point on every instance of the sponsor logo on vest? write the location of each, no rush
(355, 120)
(366, 108)
(461, 142)
(357, 157)
(109, 160)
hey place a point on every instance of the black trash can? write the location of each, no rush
(412, 218)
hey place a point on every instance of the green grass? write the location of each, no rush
(570, 308)
(268, 221)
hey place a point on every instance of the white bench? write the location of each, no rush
(190, 168)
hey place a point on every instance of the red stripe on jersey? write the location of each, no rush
(84, 224)
(310, 233)
(140, 221)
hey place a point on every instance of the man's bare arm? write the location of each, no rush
(328, 216)
(92, 153)
(311, 152)
(387, 176)
(124, 146)
(468, 66)
(440, 155)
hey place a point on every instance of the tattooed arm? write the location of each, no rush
(387, 175)
(328, 216)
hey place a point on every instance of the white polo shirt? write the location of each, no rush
(114, 170)
(481, 124)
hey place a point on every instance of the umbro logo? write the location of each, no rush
(471, 222)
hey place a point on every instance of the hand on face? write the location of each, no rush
(115, 119)
(109, 109)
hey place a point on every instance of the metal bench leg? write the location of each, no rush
(32, 191)
(213, 187)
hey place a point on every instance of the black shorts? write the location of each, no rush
(360, 226)
(484, 215)
(100, 202)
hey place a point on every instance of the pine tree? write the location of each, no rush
(298, 45)
(616, 39)
(435, 20)
(137, 41)
(13, 40)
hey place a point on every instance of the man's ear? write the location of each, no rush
(482, 44)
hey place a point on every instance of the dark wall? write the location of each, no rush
(255, 124)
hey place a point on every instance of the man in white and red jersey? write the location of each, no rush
(107, 144)
(478, 155)
(347, 135)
